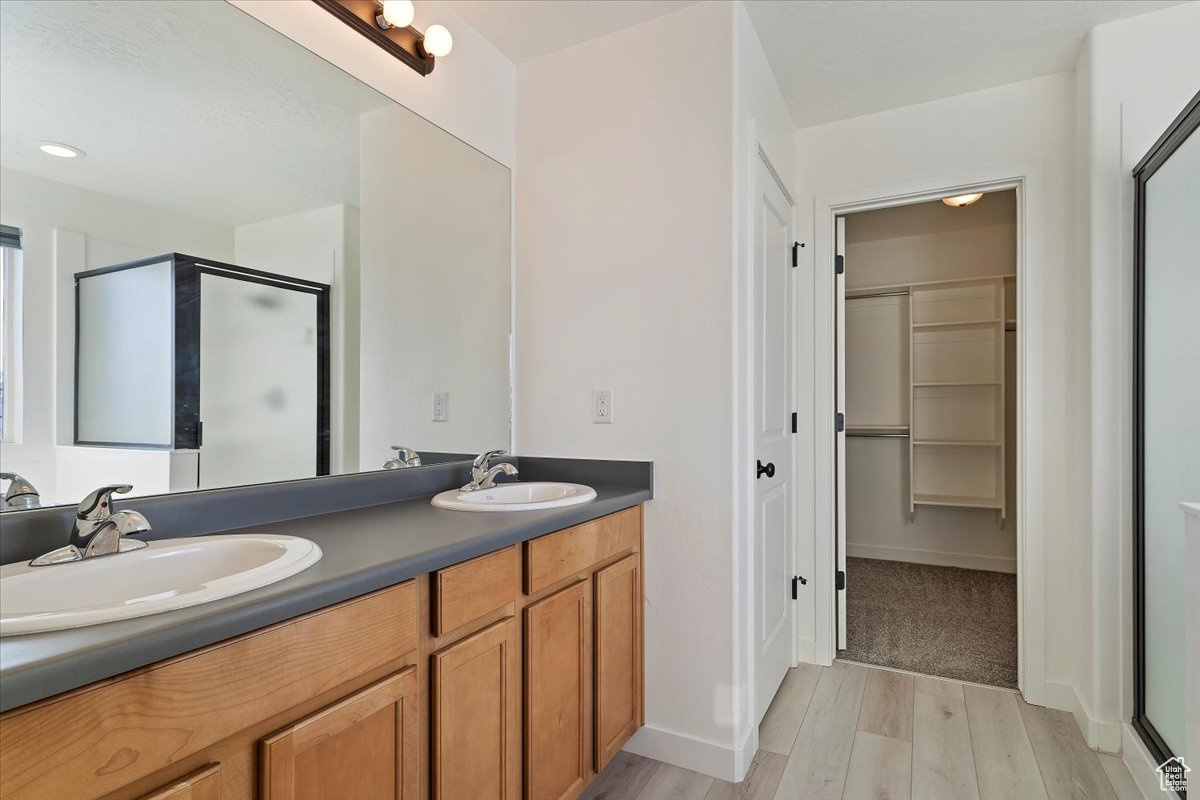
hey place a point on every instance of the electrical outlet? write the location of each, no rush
(602, 406)
(441, 406)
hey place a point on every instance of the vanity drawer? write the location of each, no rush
(468, 591)
(550, 559)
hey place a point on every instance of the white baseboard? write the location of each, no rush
(1140, 763)
(1100, 734)
(699, 755)
(933, 557)
(806, 651)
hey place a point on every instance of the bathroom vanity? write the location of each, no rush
(516, 672)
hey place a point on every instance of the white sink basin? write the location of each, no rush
(165, 575)
(518, 496)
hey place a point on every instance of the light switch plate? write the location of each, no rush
(441, 406)
(602, 406)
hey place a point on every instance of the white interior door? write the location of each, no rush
(839, 405)
(773, 442)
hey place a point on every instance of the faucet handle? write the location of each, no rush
(481, 460)
(98, 504)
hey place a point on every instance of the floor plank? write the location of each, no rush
(781, 723)
(1004, 759)
(938, 687)
(943, 766)
(670, 782)
(887, 707)
(760, 783)
(1122, 780)
(816, 767)
(623, 778)
(1070, 769)
(880, 769)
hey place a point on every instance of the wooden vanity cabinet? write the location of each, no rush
(364, 746)
(515, 673)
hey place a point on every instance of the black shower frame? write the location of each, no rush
(1180, 129)
(187, 270)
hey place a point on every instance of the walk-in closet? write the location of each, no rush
(930, 421)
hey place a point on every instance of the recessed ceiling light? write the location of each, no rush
(60, 150)
(961, 200)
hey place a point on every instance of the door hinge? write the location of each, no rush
(796, 253)
(797, 582)
(839, 264)
(839, 422)
(840, 580)
(795, 422)
(199, 434)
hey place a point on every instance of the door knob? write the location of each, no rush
(768, 470)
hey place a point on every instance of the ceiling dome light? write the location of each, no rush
(60, 150)
(438, 41)
(396, 14)
(961, 200)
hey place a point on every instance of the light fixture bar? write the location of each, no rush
(405, 44)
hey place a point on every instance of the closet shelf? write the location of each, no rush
(965, 323)
(955, 443)
(958, 501)
(955, 383)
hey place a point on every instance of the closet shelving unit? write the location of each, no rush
(956, 398)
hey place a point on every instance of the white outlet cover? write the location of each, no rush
(602, 406)
(441, 406)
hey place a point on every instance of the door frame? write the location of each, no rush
(1027, 179)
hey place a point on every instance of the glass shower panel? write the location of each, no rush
(1171, 424)
(258, 382)
(125, 358)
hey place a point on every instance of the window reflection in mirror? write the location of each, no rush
(330, 260)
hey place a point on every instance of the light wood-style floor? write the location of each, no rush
(857, 732)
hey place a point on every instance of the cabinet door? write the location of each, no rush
(203, 784)
(363, 747)
(558, 634)
(618, 642)
(474, 708)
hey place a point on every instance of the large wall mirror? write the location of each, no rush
(226, 261)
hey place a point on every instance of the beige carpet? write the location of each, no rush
(945, 621)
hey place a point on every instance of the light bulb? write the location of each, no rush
(438, 41)
(396, 14)
(961, 200)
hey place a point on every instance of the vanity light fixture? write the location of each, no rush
(961, 200)
(389, 25)
(60, 150)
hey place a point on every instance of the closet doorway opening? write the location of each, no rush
(926, 385)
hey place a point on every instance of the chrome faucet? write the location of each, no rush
(98, 530)
(405, 457)
(484, 478)
(20, 494)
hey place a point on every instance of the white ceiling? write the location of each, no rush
(525, 29)
(836, 59)
(190, 106)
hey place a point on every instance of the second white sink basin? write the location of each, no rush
(532, 496)
(165, 575)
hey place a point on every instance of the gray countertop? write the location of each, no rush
(364, 550)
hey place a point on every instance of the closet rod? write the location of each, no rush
(865, 433)
(894, 293)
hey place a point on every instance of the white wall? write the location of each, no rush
(624, 275)
(66, 230)
(435, 279)
(1132, 78)
(1020, 126)
(320, 245)
(471, 93)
